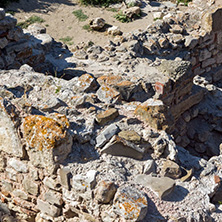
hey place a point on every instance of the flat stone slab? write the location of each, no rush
(162, 186)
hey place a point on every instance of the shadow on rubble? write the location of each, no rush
(36, 5)
(153, 215)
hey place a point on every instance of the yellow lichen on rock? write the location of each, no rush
(43, 132)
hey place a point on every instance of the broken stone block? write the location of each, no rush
(18, 165)
(21, 194)
(211, 20)
(47, 208)
(64, 177)
(106, 116)
(53, 197)
(97, 23)
(30, 187)
(48, 139)
(130, 135)
(9, 120)
(149, 167)
(86, 83)
(36, 29)
(132, 11)
(162, 186)
(130, 203)
(107, 94)
(105, 191)
(106, 135)
(156, 114)
(120, 147)
(114, 30)
(170, 169)
(9, 22)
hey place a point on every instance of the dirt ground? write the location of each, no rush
(60, 22)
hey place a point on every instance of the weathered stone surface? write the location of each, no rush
(132, 11)
(105, 191)
(64, 177)
(106, 135)
(106, 116)
(107, 94)
(48, 140)
(18, 165)
(114, 30)
(155, 113)
(211, 20)
(30, 186)
(149, 167)
(53, 197)
(86, 83)
(170, 169)
(130, 203)
(15, 34)
(162, 186)
(97, 23)
(120, 147)
(9, 140)
(47, 208)
(36, 29)
(130, 135)
(21, 194)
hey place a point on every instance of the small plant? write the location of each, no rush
(121, 17)
(105, 3)
(155, 19)
(80, 15)
(112, 9)
(46, 25)
(33, 19)
(131, 4)
(184, 1)
(219, 202)
(67, 40)
(87, 28)
(58, 89)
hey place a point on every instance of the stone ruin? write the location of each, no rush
(126, 132)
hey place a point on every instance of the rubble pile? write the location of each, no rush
(127, 132)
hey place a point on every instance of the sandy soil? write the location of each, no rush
(61, 22)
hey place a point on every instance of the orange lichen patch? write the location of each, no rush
(109, 80)
(131, 206)
(107, 115)
(109, 92)
(44, 132)
(85, 80)
(124, 84)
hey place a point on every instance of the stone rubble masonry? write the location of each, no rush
(29, 181)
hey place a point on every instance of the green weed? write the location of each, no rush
(121, 17)
(33, 19)
(87, 28)
(80, 15)
(67, 40)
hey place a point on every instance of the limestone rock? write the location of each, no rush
(149, 167)
(86, 83)
(211, 20)
(97, 23)
(130, 135)
(105, 191)
(162, 186)
(48, 139)
(132, 11)
(114, 30)
(130, 203)
(107, 94)
(9, 139)
(106, 116)
(106, 135)
(47, 208)
(36, 29)
(120, 147)
(18, 165)
(170, 169)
